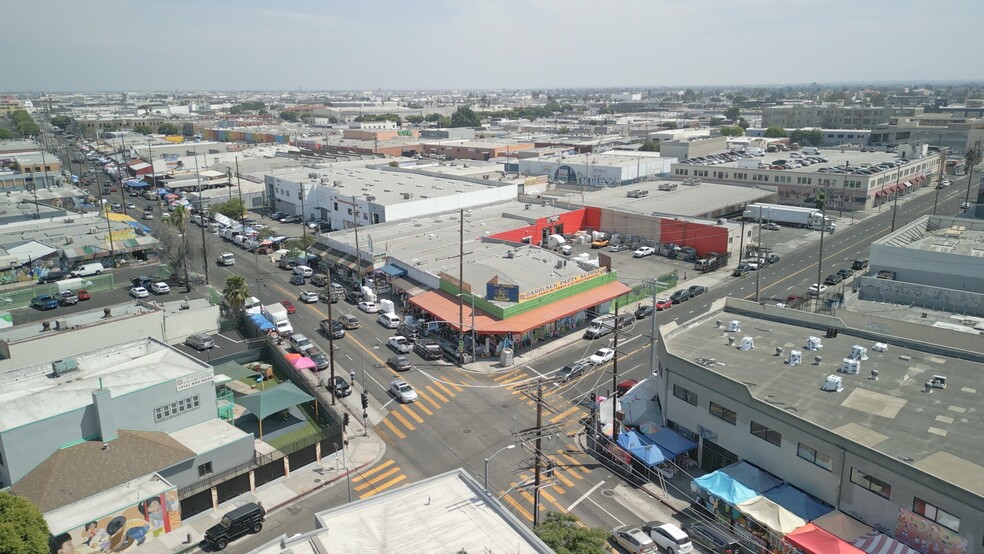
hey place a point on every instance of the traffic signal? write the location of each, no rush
(345, 419)
(594, 398)
(365, 400)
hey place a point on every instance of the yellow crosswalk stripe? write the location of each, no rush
(456, 387)
(519, 377)
(370, 482)
(446, 390)
(411, 413)
(383, 486)
(428, 398)
(563, 414)
(367, 473)
(421, 406)
(574, 462)
(549, 497)
(403, 420)
(517, 506)
(393, 428)
(558, 473)
(507, 375)
(439, 396)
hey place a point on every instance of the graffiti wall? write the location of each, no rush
(117, 532)
(927, 536)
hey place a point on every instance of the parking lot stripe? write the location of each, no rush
(383, 486)
(377, 469)
(370, 482)
(399, 434)
(440, 396)
(403, 420)
(411, 413)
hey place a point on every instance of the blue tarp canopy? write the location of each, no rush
(752, 477)
(644, 450)
(392, 270)
(798, 502)
(261, 322)
(724, 487)
(671, 441)
(135, 184)
(137, 225)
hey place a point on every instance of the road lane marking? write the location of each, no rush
(403, 420)
(507, 375)
(376, 469)
(563, 414)
(428, 398)
(585, 495)
(399, 434)
(606, 511)
(574, 462)
(383, 486)
(440, 396)
(411, 413)
(446, 390)
(513, 379)
(516, 506)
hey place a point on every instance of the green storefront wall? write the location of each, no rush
(523, 307)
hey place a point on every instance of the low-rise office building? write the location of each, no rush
(692, 146)
(826, 116)
(483, 150)
(598, 170)
(876, 417)
(831, 137)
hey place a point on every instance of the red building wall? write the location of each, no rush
(701, 237)
(572, 222)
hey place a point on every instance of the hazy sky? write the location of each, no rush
(440, 44)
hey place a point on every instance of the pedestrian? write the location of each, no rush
(352, 376)
(684, 275)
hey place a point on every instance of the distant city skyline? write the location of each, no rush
(513, 44)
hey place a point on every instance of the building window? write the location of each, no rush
(933, 513)
(682, 431)
(181, 406)
(766, 434)
(720, 411)
(874, 485)
(336, 206)
(205, 469)
(685, 395)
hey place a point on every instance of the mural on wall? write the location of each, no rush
(117, 532)
(927, 536)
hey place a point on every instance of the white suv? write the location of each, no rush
(673, 539)
(160, 287)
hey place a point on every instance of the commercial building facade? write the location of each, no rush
(597, 170)
(833, 117)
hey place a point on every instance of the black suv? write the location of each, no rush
(428, 349)
(697, 290)
(859, 265)
(340, 387)
(409, 331)
(679, 296)
(244, 519)
(52, 277)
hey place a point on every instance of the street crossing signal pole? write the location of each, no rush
(536, 454)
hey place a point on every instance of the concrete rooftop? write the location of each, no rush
(690, 201)
(938, 432)
(945, 235)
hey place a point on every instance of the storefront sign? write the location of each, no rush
(199, 378)
(455, 282)
(570, 281)
(501, 293)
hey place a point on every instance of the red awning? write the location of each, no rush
(444, 307)
(881, 193)
(814, 540)
(920, 178)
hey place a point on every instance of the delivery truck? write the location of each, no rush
(277, 315)
(794, 216)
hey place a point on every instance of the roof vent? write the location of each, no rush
(880, 347)
(874, 375)
(795, 357)
(68, 365)
(747, 343)
(928, 388)
(778, 351)
(813, 344)
(939, 381)
(833, 384)
(817, 360)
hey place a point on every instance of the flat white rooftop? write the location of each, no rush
(33, 393)
(208, 435)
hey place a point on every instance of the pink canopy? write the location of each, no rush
(814, 540)
(304, 363)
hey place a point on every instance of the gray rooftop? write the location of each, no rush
(834, 157)
(31, 393)
(59, 232)
(686, 200)
(939, 432)
(945, 235)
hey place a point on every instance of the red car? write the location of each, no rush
(290, 307)
(663, 304)
(83, 294)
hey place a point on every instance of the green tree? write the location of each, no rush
(168, 129)
(289, 115)
(110, 128)
(145, 108)
(142, 129)
(464, 117)
(775, 132)
(188, 129)
(23, 529)
(301, 244)
(562, 533)
(433, 117)
(6, 134)
(732, 131)
(732, 113)
(812, 137)
(668, 125)
(232, 208)
(820, 201)
(236, 291)
(178, 217)
(743, 124)
(650, 146)
(444, 122)
(415, 119)
(61, 121)
(972, 157)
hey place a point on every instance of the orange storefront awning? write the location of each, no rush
(444, 307)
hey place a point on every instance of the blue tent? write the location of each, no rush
(752, 477)
(644, 450)
(724, 487)
(135, 184)
(798, 502)
(261, 322)
(137, 225)
(671, 442)
(629, 440)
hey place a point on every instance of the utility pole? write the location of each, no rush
(974, 155)
(461, 290)
(741, 239)
(615, 378)
(119, 175)
(331, 337)
(536, 454)
(895, 204)
(201, 206)
(536, 434)
(358, 253)
(758, 272)
(652, 338)
(939, 177)
(823, 229)
(300, 195)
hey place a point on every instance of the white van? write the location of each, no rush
(811, 150)
(86, 270)
(252, 305)
(390, 321)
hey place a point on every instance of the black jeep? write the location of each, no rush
(244, 519)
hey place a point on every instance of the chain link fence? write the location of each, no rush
(643, 292)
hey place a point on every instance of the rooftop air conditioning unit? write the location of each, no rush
(795, 357)
(859, 353)
(813, 343)
(850, 366)
(734, 326)
(747, 343)
(68, 365)
(834, 383)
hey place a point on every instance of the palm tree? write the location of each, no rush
(972, 157)
(236, 291)
(178, 217)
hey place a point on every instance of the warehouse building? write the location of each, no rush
(597, 170)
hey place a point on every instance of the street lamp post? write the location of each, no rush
(507, 447)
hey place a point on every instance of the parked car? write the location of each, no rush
(885, 274)
(643, 251)
(339, 387)
(139, 292)
(390, 321)
(297, 280)
(741, 270)
(408, 331)
(771, 226)
(617, 247)
(289, 306)
(679, 296)
(400, 363)
(817, 288)
(713, 538)
(349, 321)
(200, 341)
(368, 307)
(160, 287)
(300, 343)
(52, 276)
(277, 215)
(83, 294)
(303, 270)
(663, 304)
(142, 281)
(308, 296)
(244, 519)
(574, 369)
(644, 311)
(634, 540)
(403, 391)
(859, 265)
(44, 302)
(68, 298)
(400, 344)
(845, 272)
(602, 356)
(336, 329)
(668, 536)
(697, 290)
(428, 349)
(833, 279)
(625, 386)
